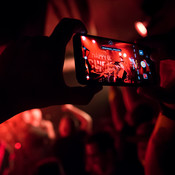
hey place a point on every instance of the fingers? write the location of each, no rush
(161, 46)
(81, 95)
(66, 28)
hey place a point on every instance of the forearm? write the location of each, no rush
(117, 108)
(161, 147)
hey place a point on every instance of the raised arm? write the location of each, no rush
(31, 72)
(160, 151)
(84, 118)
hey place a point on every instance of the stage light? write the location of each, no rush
(93, 41)
(83, 38)
(87, 77)
(145, 76)
(120, 54)
(141, 52)
(124, 55)
(143, 64)
(141, 28)
(17, 145)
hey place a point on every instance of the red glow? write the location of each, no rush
(124, 55)
(83, 38)
(110, 65)
(143, 64)
(17, 145)
(141, 28)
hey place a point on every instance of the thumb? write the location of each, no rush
(66, 28)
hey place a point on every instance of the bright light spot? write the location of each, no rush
(87, 77)
(124, 55)
(141, 28)
(143, 64)
(141, 52)
(120, 54)
(17, 145)
(93, 41)
(85, 57)
(83, 38)
(145, 76)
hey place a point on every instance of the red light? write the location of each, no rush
(93, 41)
(143, 64)
(83, 38)
(124, 55)
(145, 76)
(141, 28)
(17, 145)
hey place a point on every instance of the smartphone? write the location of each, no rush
(105, 61)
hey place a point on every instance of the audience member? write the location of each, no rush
(35, 65)
(101, 157)
(69, 145)
(74, 120)
(49, 166)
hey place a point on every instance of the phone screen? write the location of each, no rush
(112, 62)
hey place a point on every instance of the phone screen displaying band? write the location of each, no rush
(110, 61)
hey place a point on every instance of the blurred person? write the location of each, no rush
(160, 150)
(34, 118)
(49, 166)
(129, 109)
(38, 133)
(101, 156)
(74, 120)
(143, 133)
(70, 151)
(32, 138)
(129, 112)
(69, 145)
